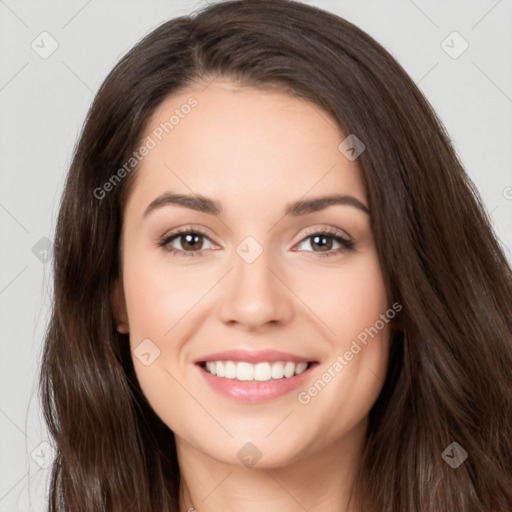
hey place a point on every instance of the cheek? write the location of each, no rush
(352, 377)
(364, 298)
(362, 334)
(347, 299)
(158, 294)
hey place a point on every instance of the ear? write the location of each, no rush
(119, 308)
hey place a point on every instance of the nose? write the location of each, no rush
(256, 294)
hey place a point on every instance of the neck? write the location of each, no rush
(318, 481)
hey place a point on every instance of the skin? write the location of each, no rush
(254, 150)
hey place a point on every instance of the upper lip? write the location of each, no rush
(253, 356)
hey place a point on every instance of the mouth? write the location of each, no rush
(265, 371)
(255, 382)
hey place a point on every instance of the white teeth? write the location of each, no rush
(230, 370)
(300, 367)
(289, 370)
(211, 367)
(244, 371)
(261, 372)
(277, 371)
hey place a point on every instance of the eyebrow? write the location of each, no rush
(213, 207)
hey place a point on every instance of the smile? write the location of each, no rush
(262, 372)
(249, 376)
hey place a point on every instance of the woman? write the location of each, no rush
(273, 369)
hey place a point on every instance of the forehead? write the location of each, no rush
(242, 144)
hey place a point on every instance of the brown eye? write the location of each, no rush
(190, 243)
(324, 242)
(321, 243)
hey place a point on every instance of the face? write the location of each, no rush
(286, 300)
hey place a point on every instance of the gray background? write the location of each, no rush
(43, 103)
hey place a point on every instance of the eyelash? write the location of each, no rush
(347, 244)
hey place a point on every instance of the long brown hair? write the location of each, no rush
(449, 377)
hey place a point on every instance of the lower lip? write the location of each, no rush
(255, 391)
